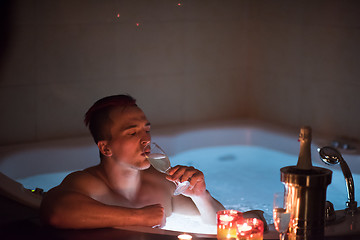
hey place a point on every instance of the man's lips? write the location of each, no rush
(145, 153)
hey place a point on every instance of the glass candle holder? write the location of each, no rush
(250, 228)
(226, 224)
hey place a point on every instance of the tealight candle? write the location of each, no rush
(184, 237)
(226, 218)
(243, 228)
(226, 224)
(250, 229)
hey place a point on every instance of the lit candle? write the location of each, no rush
(243, 228)
(184, 237)
(226, 224)
(226, 218)
(250, 229)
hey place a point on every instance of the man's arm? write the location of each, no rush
(208, 207)
(205, 204)
(66, 206)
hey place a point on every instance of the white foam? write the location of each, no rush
(188, 224)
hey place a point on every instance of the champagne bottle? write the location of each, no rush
(304, 161)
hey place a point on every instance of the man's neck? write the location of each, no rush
(121, 179)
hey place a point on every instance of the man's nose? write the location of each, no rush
(145, 142)
(145, 139)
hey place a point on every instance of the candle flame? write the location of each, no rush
(184, 237)
(244, 227)
(226, 218)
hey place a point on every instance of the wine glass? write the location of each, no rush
(161, 162)
(281, 215)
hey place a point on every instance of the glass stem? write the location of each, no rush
(167, 171)
(282, 236)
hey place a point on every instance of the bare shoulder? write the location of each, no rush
(157, 181)
(180, 204)
(86, 182)
(156, 177)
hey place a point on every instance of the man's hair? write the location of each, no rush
(97, 117)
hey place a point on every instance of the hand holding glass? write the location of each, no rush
(281, 215)
(161, 162)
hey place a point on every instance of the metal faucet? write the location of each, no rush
(331, 156)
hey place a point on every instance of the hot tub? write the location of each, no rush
(241, 162)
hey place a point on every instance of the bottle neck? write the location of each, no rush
(304, 160)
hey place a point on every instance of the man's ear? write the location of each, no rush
(104, 148)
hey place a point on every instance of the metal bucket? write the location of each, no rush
(305, 196)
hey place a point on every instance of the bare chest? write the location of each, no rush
(147, 194)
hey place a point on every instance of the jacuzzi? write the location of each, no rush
(241, 162)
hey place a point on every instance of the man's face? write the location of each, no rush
(130, 133)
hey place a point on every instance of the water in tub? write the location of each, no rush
(240, 177)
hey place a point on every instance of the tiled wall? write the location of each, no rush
(286, 62)
(304, 64)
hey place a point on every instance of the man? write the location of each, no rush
(124, 190)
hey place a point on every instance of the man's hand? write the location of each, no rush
(206, 205)
(195, 177)
(153, 215)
